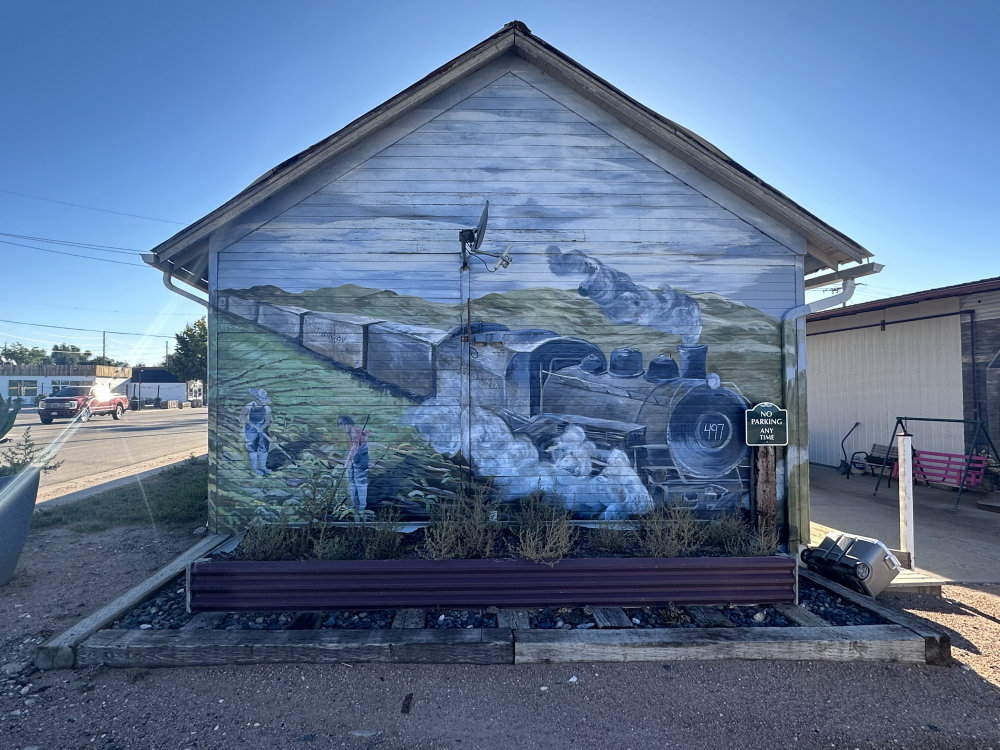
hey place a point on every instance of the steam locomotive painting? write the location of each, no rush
(607, 433)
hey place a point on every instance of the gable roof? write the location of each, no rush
(185, 255)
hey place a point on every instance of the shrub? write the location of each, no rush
(544, 532)
(732, 534)
(464, 529)
(613, 540)
(672, 531)
(381, 539)
(275, 541)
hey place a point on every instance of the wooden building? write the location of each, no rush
(29, 382)
(933, 354)
(596, 334)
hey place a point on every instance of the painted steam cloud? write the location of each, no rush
(518, 470)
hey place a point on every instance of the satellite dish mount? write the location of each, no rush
(472, 239)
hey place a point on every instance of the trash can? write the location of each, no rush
(859, 562)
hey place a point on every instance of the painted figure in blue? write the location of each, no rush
(357, 462)
(256, 419)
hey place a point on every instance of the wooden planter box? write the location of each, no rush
(319, 585)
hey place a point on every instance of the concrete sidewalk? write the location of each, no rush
(955, 546)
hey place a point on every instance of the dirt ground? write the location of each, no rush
(64, 576)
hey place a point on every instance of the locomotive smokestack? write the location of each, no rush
(693, 361)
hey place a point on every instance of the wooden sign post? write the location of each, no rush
(766, 428)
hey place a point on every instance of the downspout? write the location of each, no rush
(789, 463)
(168, 283)
(843, 296)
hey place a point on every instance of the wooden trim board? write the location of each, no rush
(853, 643)
(59, 652)
(180, 648)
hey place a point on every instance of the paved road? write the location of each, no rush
(104, 450)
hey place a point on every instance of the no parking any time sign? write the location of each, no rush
(767, 425)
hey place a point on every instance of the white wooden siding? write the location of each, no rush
(552, 176)
(872, 376)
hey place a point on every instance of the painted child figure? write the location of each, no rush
(256, 419)
(357, 462)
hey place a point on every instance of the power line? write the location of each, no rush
(73, 255)
(89, 208)
(71, 243)
(89, 330)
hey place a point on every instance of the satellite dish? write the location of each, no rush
(481, 229)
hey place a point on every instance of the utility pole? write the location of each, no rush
(104, 344)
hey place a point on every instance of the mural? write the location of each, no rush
(608, 398)
(256, 419)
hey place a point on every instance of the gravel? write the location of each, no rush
(832, 608)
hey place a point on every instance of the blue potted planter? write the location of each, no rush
(17, 503)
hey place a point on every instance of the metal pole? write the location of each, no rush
(465, 405)
(904, 443)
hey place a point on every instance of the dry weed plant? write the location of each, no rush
(671, 615)
(544, 531)
(382, 538)
(671, 531)
(275, 541)
(463, 530)
(733, 534)
(767, 538)
(614, 540)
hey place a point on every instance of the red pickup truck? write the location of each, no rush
(81, 401)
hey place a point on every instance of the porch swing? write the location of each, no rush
(961, 471)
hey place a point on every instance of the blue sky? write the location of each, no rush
(879, 117)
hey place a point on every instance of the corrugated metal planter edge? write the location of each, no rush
(318, 585)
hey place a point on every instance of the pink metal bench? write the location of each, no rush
(948, 468)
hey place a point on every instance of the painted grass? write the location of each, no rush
(175, 495)
(308, 393)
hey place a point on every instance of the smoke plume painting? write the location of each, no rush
(623, 301)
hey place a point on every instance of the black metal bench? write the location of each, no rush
(875, 458)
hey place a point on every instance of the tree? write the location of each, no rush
(102, 360)
(67, 354)
(19, 354)
(190, 358)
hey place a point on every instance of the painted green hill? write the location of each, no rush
(742, 341)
